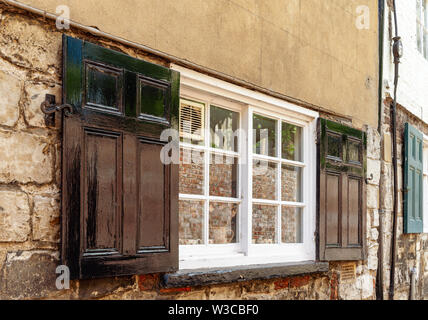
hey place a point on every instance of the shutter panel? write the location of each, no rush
(119, 202)
(341, 192)
(413, 180)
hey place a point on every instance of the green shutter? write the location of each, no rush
(413, 180)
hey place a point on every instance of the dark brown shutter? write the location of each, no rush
(341, 192)
(120, 202)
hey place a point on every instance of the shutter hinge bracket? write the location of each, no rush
(49, 108)
(369, 179)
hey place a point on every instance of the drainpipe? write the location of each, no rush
(379, 274)
(397, 51)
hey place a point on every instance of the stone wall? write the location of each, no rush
(30, 67)
(411, 248)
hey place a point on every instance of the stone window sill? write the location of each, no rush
(202, 277)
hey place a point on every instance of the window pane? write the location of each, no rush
(191, 172)
(354, 151)
(223, 176)
(264, 136)
(223, 125)
(264, 180)
(425, 44)
(291, 183)
(291, 142)
(334, 146)
(191, 221)
(223, 223)
(419, 37)
(264, 224)
(291, 225)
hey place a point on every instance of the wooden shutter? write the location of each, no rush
(119, 202)
(413, 180)
(341, 192)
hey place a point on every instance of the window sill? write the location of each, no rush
(210, 276)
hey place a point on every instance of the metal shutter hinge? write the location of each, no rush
(49, 108)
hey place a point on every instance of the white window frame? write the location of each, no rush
(200, 87)
(425, 184)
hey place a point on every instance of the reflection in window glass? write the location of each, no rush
(291, 136)
(264, 136)
(422, 27)
(223, 176)
(334, 146)
(223, 222)
(291, 183)
(264, 180)
(291, 225)
(223, 126)
(354, 151)
(191, 177)
(191, 220)
(264, 224)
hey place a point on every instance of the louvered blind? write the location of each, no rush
(191, 120)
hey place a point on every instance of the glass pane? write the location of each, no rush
(223, 176)
(152, 99)
(291, 183)
(264, 224)
(191, 177)
(223, 223)
(354, 151)
(425, 44)
(223, 126)
(103, 87)
(264, 180)
(191, 221)
(264, 136)
(334, 146)
(291, 225)
(291, 142)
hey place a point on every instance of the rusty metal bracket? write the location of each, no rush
(49, 108)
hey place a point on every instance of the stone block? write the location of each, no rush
(373, 143)
(35, 94)
(374, 234)
(366, 283)
(14, 216)
(375, 218)
(10, 94)
(372, 197)
(227, 292)
(46, 222)
(387, 147)
(373, 168)
(29, 274)
(97, 288)
(25, 158)
(29, 44)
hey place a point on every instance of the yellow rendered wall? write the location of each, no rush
(307, 49)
